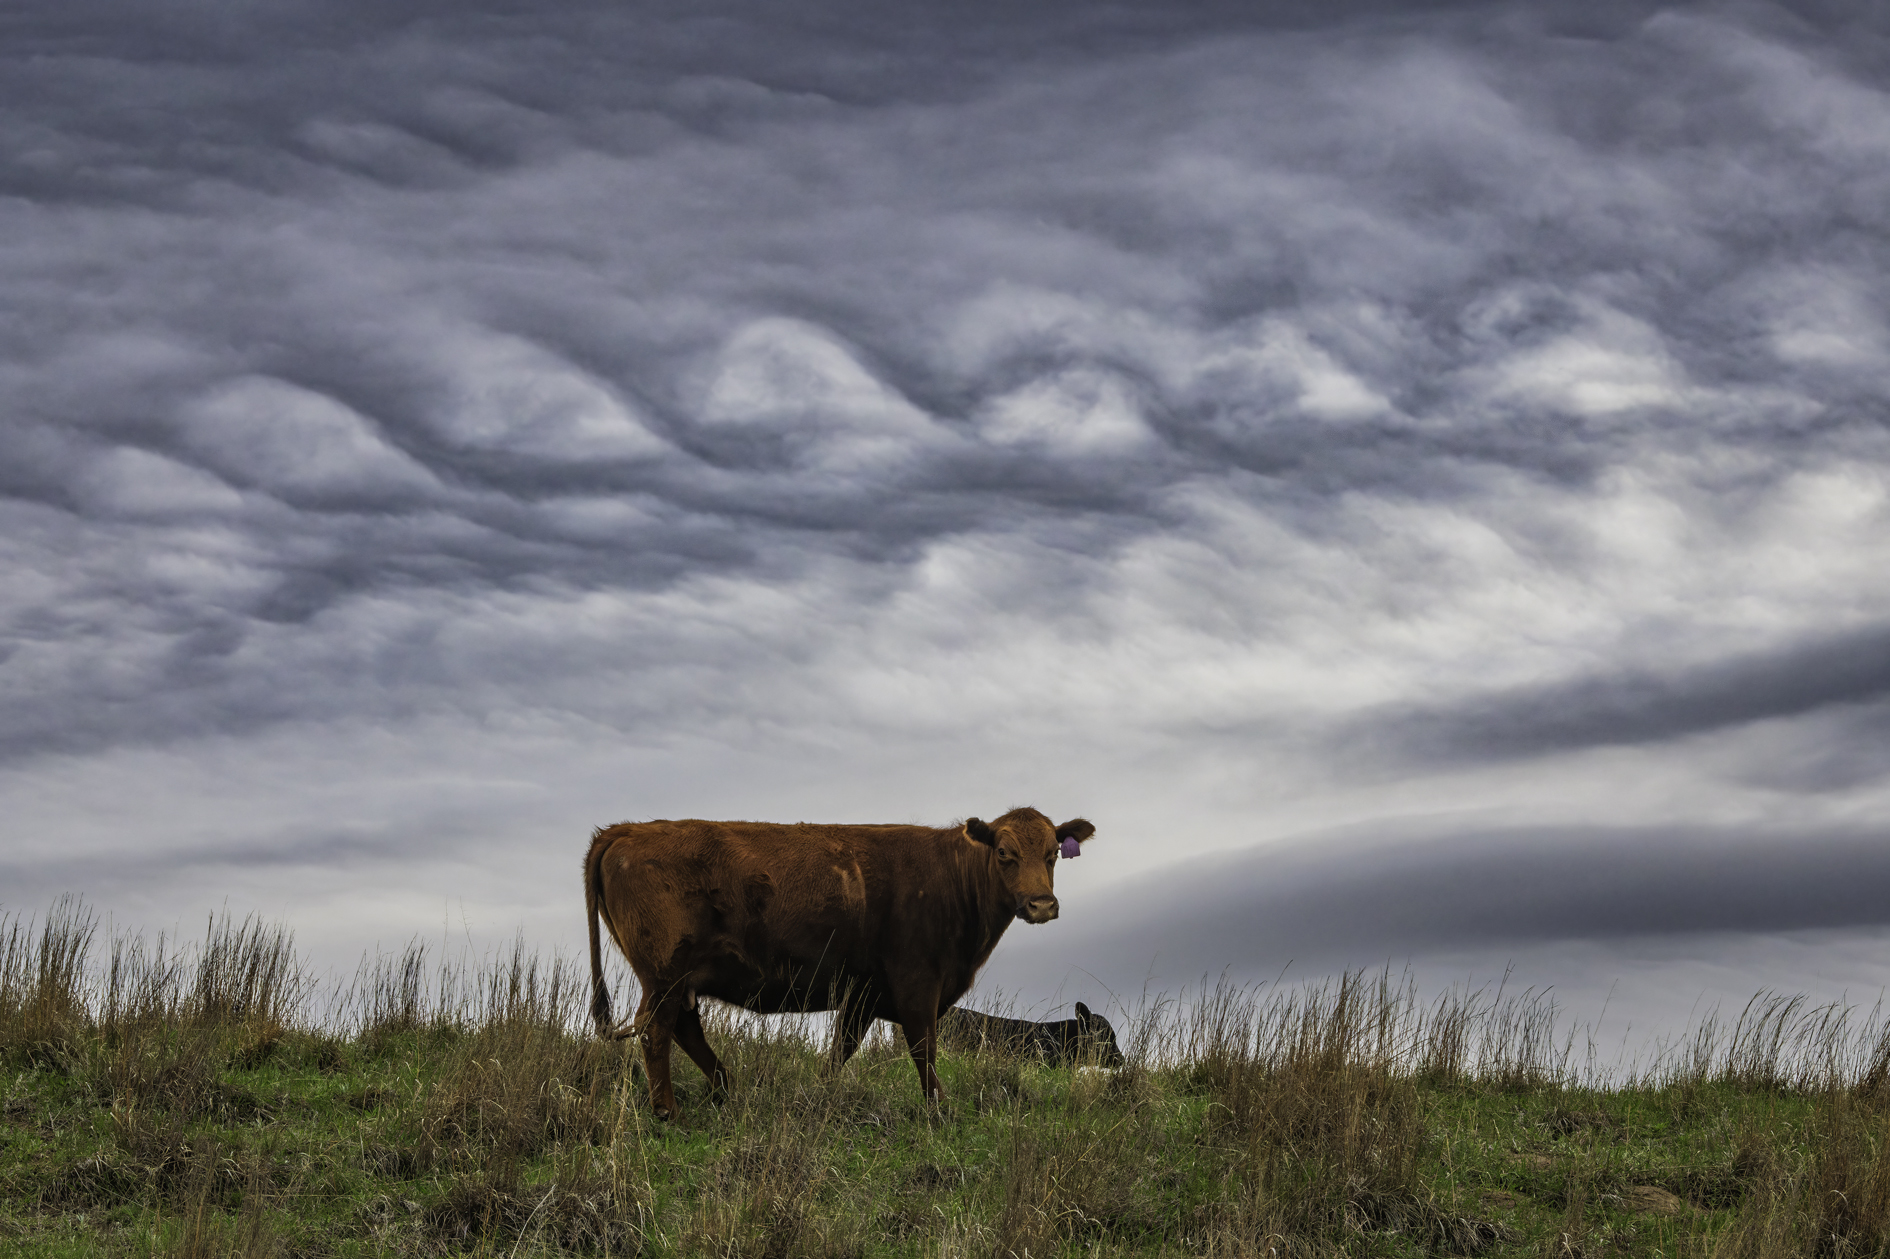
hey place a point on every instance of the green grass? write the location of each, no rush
(204, 1102)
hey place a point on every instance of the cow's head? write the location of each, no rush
(1026, 846)
(1099, 1038)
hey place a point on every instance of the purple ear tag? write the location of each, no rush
(1071, 848)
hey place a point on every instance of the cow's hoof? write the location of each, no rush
(664, 1113)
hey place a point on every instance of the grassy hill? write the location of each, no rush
(209, 1102)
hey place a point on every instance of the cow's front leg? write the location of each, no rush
(918, 1016)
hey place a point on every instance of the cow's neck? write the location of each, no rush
(988, 909)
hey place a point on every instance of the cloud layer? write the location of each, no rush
(1242, 420)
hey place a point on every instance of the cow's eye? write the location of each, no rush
(1005, 854)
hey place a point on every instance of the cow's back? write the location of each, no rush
(974, 1031)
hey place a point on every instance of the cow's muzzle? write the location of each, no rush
(1037, 909)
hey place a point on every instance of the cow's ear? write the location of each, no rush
(976, 829)
(1076, 828)
(1082, 1012)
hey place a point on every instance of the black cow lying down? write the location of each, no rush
(1064, 1042)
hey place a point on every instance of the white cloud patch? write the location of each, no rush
(1078, 413)
(131, 482)
(1607, 362)
(1824, 318)
(297, 442)
(509, 395)
(796, 380)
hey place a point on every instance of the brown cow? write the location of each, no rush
(873, 922)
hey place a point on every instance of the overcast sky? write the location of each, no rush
(1346, 451)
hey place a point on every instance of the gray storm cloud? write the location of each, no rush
(1259, 419)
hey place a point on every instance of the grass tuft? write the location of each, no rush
(43, 1004)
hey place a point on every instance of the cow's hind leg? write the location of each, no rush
(657, 1023)
(696, 1045)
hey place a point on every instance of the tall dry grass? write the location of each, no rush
(43, 1000)
(1245, 1122)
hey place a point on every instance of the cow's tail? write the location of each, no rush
(593, 895)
